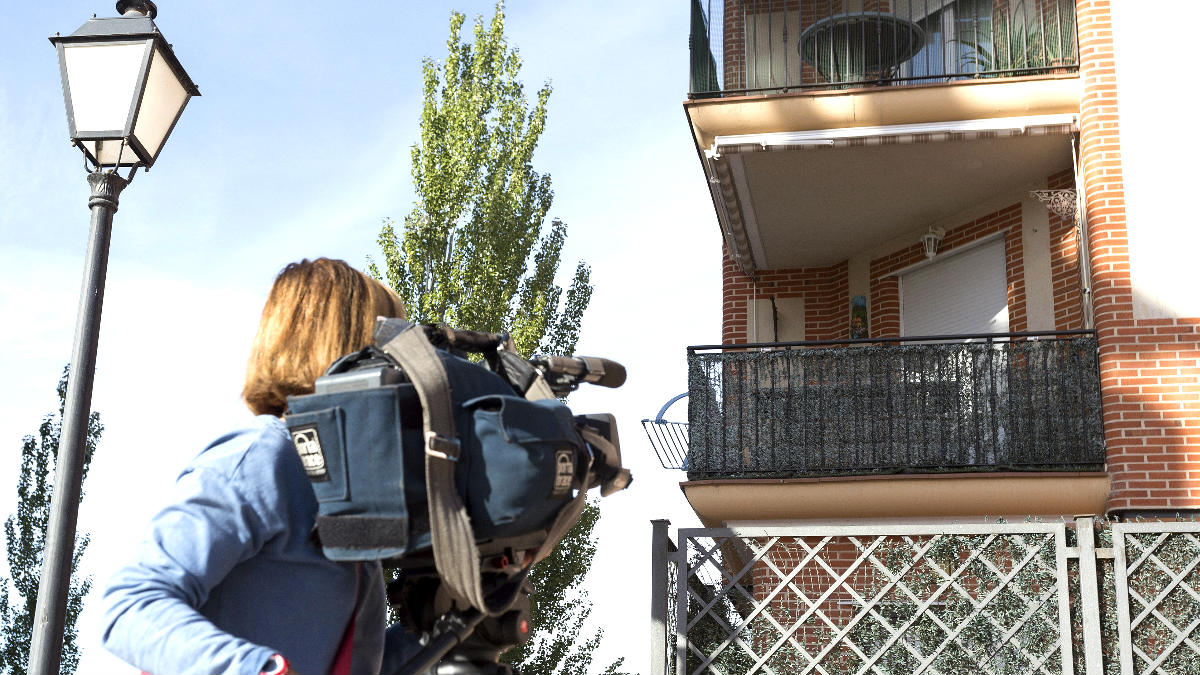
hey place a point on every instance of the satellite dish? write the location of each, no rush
(860, 47)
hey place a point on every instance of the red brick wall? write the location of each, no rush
(1149, 369)
(735, 44)
(735, 306)
(825, 291)
(1064, 261)
(885, 291)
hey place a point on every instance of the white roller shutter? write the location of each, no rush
(965, 293)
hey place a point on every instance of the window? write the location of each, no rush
(965, 293)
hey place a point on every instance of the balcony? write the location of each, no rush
(772, 46)
(829, 127)
(998, 403)
(930, 426)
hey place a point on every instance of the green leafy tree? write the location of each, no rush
(475, 252)
(560, 606)
(25, 542)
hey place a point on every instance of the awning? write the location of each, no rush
(823, 209)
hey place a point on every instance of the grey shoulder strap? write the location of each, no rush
(454, 550)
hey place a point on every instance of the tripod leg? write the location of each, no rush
(449, 631)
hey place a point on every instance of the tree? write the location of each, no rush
(25, 542)
(561, 602)
(475, 253)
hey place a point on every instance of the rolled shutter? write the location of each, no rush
(965, 293)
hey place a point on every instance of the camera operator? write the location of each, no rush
(229, 577)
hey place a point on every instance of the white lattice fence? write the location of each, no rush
(1158, 596)
(992, 599)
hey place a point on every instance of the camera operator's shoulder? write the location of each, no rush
(263, 446)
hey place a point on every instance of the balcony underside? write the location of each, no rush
(882, 106)
(892, 171)
(720, 502)
(798, 212)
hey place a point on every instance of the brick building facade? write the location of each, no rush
(1148, 354)
(1149, 367)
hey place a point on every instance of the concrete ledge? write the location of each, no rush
(718, 502)
(878, 106)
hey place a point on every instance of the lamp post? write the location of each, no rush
(124, 90)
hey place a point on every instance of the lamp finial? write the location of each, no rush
(136, 8)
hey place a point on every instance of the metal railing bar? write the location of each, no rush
(910, 338)
(880, 529)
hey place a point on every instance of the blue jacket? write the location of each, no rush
(228, 574)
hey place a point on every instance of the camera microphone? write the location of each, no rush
(566, 372)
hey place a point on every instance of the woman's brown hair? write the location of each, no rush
(317, 311)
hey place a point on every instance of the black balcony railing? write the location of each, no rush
(748, 46)
(1010, 402)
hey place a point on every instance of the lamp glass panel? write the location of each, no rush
(110, 152)
(161, 103)
(103, 83)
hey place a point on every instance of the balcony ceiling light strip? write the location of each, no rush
(896, 133)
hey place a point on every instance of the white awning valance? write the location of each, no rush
(897, 134)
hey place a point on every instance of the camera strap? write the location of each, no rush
(454, 551)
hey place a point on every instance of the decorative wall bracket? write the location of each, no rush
(1061, 202)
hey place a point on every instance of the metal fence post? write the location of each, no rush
(658, 596)
(1089, 595)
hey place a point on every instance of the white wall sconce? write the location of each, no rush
(931, 239)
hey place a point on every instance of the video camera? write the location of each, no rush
(462, 474)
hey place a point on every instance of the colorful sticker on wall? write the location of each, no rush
(858, 317)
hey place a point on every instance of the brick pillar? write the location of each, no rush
(1148, 367)
(736, 295)
(1064, 261)
(734, 44)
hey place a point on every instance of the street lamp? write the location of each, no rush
(123, 86)
(124, 91)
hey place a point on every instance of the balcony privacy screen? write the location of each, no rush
(782, 45)
(864, 409)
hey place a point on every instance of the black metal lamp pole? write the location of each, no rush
(51, 614)
(124, 91)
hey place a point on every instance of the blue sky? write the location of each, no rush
(299, 147)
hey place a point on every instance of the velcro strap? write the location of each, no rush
(362, 532)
